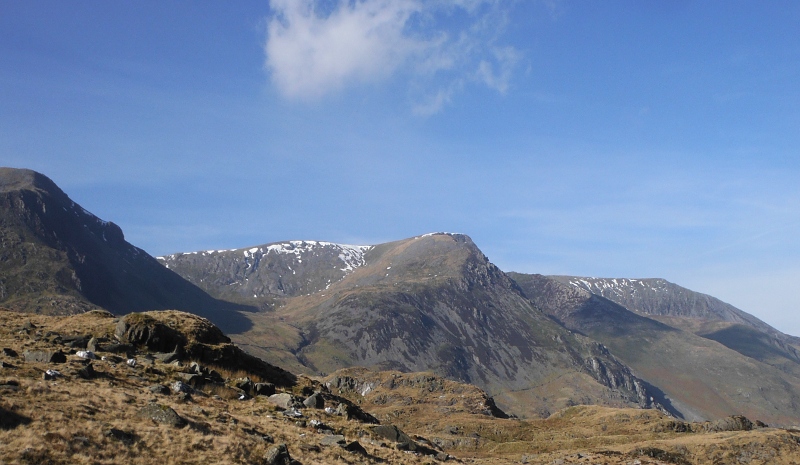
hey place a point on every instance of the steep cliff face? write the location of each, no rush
(58, 258)
(700, 378)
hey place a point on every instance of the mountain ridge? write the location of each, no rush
(58, 257)
(701, 377)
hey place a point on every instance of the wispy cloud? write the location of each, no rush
(314, 48)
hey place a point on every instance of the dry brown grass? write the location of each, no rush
(77, 421)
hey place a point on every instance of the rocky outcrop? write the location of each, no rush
(184, 336)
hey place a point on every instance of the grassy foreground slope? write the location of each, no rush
(131, 412)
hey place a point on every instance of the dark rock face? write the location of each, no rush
(58, 258)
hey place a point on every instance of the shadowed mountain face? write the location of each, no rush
(659, 297)
(698, 313)
(429, 303)
(58, 258)
(726, 371)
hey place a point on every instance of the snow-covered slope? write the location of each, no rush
(288, 268)
(660, 297)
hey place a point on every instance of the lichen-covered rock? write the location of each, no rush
(314, 401)
(143, 330)
(44, 356)
(162, 414)
(284, 400)
(278, 455)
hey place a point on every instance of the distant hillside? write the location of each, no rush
(700, 314)
(662, 298)
(701, 378)
(59, 258)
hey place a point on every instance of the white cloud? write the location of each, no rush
(498, 74)
(314, 48)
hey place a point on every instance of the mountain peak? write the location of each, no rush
(16, 179)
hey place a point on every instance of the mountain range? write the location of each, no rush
(432, 303)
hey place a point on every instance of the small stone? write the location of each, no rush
(191, 379)
(44, 356)
(356, 448)
(314, 401)
(180, 386)
(10, 352)
(159, 389)
(278, 455)
(293, 413)
(87, 372)
(168, 358)
(332, 440)
(111, 359)
(125, 437)
(283, 400)
(245, 384)
(309, 448)
(264, 389)
(75, 341)
(87, 354)
(162, 414)
(51, 375)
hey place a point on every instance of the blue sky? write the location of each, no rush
(614, 139)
